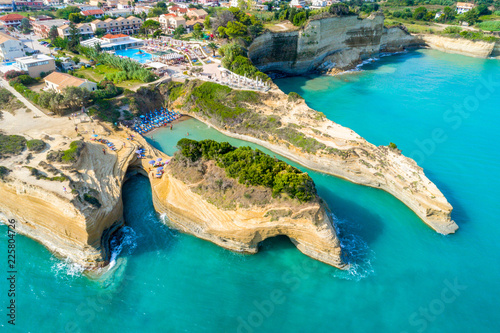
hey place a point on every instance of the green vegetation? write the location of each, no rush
(229, 108)
(72, 154)
(489, 25)
(36, 145)
(392, 145)
(293, 96)
(221, 102)
(4, 172)
(129, 69)
(8, 102)
(36, 173)
(92, 200)
(252, 167)
(11, 145)
(236, 60)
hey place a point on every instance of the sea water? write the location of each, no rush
(404, 277)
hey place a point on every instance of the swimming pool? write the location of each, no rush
(132, 54)
(8, 63)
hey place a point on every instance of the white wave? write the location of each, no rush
(125, 239)
(356, 253)
(67, 268)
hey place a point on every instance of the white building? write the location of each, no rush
(318, 3)
(114, 42)
(296, 3)
(58, 81)
(464, 7)
(10, 48)
(36, 64)
(6, 6)
(119, 12)
(234, 3)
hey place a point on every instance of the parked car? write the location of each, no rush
(42, 43)
(57, 49)
(49, 45)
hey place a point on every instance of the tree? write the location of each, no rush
(470, 17)
(53, 34)
(197, 31)
(150, 25)
(179, 31)
(75, 97)
(206, 23)
(448, 14)
(235, 29)
(99, 4)
(339, 9)
(299, 19)
(242, 5)
(76, 60)
(157, 33)
(98, 48)
(76, 18)
(99, 32)
(25, 25)
(419, 13)
(212, 46)
(161, 4)
(64, 12)
(74, 37)
(221, 19)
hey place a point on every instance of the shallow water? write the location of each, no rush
(405, 277)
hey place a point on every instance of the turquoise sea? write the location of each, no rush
(438, 108)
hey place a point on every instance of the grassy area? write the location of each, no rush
(98, 73)
(8, 102)
(36, 145)
(11, 145)
(489, 25)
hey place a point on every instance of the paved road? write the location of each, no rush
(20, 97)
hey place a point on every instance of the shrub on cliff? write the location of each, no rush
(4, 171)
(11, 145)
(92, 200)
(293, 96)
(35, 145)
(72, 154)
(252, 167)
(339, 9)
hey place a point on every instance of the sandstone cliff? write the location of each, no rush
(290, 128)
(477, 49)
(76, 229)
(343, 42)
(339, 42)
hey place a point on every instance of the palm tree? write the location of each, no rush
(212, 46)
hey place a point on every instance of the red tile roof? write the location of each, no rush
(93, 12)
(110, 36)
(12, 17)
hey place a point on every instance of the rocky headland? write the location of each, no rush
(76, 215)
(334, 44)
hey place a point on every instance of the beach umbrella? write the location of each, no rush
(160, 168)
(95, 135)
(152, 162)
(158, 159)
(138, 151)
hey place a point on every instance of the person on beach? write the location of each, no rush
(187, 134)
(76, 129)
(171, 126)
(104, 151)
(64, 189)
